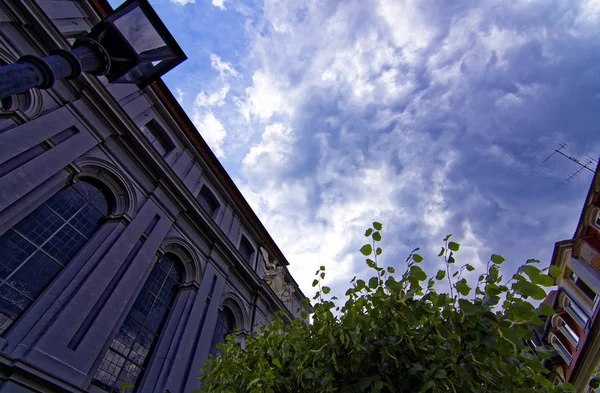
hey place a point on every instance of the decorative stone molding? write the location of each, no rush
(233, 302)
(123, 192)
(187, 255)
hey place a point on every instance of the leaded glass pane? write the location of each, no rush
(14, 250)
(66, 203)
(156, 316)
(225, 326)
(35, 249)
(87, 190)
(31, 278)
(64, 244)
(100, 203)
(134, 342)
(39, 225)
(142, 305)
(86, 221)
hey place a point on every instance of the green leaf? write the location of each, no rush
(527, 289)
(469, 267)
(366, 250)
(368, 232)
(322, 268)
(417, 258)
(497, 259)
(555, 271)
(543, 280)
(453, 246)
(391, 270)
(377, 236)
(378, 251)
(371, 263)
(125, 385)
(322, 275)
(373, 282)
(360, 284)
(315, 283)
(462, 287)
(439, 374)
(418, 273)
(546, 310)
(276, 363)
(377, 226)
(440, 275)
(595, 383)
(447, 237)
(326, 290)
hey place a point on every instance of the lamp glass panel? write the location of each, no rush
(139, 32)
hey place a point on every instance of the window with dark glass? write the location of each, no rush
(36, 249)
(579, 283)
(208, 201)
(225, 326)
(246, 249)
(131, 348)
(157, 136)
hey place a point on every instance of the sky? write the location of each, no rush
(429, 117)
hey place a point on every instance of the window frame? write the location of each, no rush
(204, 189)
(561, 349)
(175, 262)
(244, 240)
(45, 239)
(159, 136)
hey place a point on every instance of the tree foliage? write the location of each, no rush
(399, 333)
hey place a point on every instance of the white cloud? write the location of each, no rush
(217, 98)
(180, 94)
(267, 96)
(219, 3)
(183, 2)
(211, 130)
(225, 69)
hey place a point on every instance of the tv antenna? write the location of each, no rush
(585, 164)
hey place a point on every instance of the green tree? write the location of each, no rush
(398, 333)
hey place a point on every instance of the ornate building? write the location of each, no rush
(574, 332)
(127, 251)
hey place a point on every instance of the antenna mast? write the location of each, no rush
(582, 165)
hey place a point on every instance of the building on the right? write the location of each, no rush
(574, 331)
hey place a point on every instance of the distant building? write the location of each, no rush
(574, 332)
(126, 251)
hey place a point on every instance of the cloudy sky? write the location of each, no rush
(430, 117)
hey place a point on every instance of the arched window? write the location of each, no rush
(565, 329)
(225, 326)
(561, 349)
(37, 248)
(132, 347)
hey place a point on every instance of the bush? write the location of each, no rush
(399, 334)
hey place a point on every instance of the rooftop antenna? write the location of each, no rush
(586, 164)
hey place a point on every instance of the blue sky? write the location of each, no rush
(430, 117)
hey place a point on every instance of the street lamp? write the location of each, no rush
(130, 46)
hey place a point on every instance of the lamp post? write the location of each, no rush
(132, 45)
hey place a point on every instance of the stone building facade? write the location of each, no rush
(574, 331)
(127, 251)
